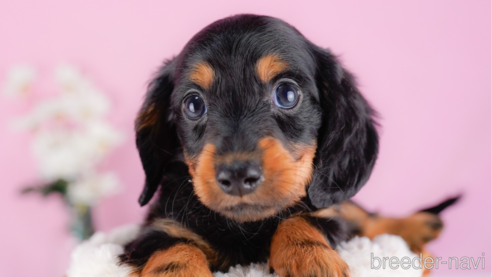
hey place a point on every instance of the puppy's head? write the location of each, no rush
(261, 117)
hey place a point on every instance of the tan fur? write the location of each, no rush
(286, 173)
(290, 173)
(180, 260)
(347, 211)
(147, 117)
(176, 230)
(299, 249)
(202, 74)
(203, 174)
(269, 66)
(416, 229)
(426, 272)
(230, 157)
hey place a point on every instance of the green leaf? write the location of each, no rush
(58, 186)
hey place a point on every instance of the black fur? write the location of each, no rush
(139, 251)
(332, 112)
(347, 140)
(437, 209)
(335, 230)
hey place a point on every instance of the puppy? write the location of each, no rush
(248, 136)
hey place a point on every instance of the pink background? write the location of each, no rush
(424, 65)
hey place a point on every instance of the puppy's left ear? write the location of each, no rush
(347, 138)
(156, 137)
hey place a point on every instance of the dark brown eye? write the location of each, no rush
(194, 107)
(286, 96)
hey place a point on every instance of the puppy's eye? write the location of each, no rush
(194, 107)
(286, 96)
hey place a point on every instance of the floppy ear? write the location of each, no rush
(347, 138)
(156, 136)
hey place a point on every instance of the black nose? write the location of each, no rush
(239, 178)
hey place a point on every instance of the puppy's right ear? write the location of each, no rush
(156, 136)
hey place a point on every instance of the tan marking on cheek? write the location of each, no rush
(288, 175)
(202, 74)
(204, 180)
(269, 66)
(191, 163)
(147, 117)
(180, 260)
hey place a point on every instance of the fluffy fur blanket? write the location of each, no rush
(98, 256)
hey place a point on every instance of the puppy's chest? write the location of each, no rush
(233, 242)
(239, 244)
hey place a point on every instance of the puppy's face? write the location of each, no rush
(248, 117)
(246, 102)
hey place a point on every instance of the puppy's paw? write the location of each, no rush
(300, 250)
(418, 229)
(309, 261)
(181, 260)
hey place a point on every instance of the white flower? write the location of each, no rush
(19, 80)
(78, 109)
(85, 100)
(48, 112)
(27, 122)
(61, 154)
(101, 138)
(69, 78)
(88, 106)
(65, 153)
(70, 137)
(90, 188)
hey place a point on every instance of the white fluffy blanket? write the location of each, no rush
(98, 257)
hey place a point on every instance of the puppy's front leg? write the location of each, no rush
(168, 249)
(299, 249)
(180, 260)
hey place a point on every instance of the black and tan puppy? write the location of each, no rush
(247, 135)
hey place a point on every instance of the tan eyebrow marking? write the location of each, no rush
(269, 66)
(202, 74)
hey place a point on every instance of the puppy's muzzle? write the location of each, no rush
(239, 178)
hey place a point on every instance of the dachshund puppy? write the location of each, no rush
(246, 136)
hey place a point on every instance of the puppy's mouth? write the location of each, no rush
(245, 206)
(257, 187)
(244, 212)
